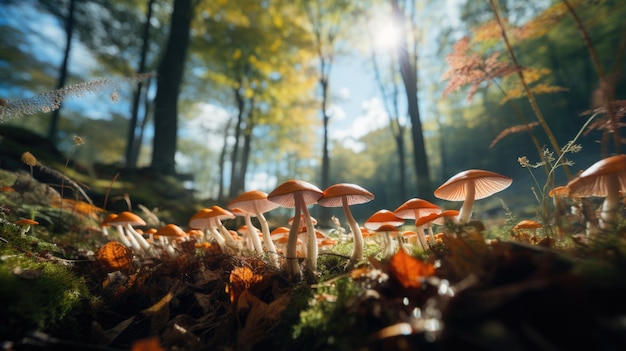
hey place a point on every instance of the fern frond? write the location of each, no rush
(513, 130)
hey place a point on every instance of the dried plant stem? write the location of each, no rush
(598, 66)
(531, 98)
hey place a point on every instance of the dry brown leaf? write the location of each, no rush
(260, 318)
(241, 279)
(114, 256)
(409, 270)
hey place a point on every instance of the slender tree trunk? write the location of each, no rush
(132, 146)
(408, 71)
(168, 88)
(69, 33)
(245, 152)
(234, 172)
(222, 162)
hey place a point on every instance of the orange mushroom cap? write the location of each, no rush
(284, 193)
(594, 180)
(486, 184)
(26, 222)
(354, 195)
(126, 217)
(249, 200)
(170, 230)
(416, 208)
(527, 224)
(382, 217)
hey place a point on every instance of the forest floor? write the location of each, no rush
(61, 289)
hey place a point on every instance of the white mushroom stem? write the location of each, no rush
(123, 238)
(466, 210)
(140, 239)
(219, 239)
(421, 237)
(608, 216)
(267, 239)
(357, 251)
(390, 246)
(291, 259)
(311, 239)
(254, 237)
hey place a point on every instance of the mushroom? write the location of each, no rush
(170, 231)
(203, 221)
(434, 218)
(250, 230)
(605, 178)
(298, 194)
(26, 224)
(344, 195)
(470, 185)
(415, 209)
(124, 222)
(382, 218)
(526, 224)
(256, 202)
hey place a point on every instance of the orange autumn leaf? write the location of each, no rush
(241, 279)
(408, 269)
(150, 344)
(114, 256)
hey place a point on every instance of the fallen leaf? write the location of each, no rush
(261, 317)
(150, 344)
(408, 270)
(241, 279)
(114, 256)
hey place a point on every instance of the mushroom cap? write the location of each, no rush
(284, 193)
(279, 232)
(126, 217)
(220, 213)
(486, 184)
(593, 181)
(387, 228)
(170, 230)
(201, 219)
(416, 208)
(382, 217)
(26, 222)
(527, 224)
(355, 194)
(240, 213)
(559, 191)
(246, 201)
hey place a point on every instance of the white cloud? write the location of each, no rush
(374, 117)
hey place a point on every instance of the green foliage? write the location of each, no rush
(38, 291)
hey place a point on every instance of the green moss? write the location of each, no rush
(37, 292)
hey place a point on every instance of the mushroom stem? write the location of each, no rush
(267, 239)
(357, 251)
(140, 239)
(311, 239)
(291, 264)
(421, 237)
(466, 210)
(608, 215)
(254, 237)
(123, 238)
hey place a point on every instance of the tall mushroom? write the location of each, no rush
(298, 194)
(203, 221)
(345, 195)
(470, 185)
(605, 178)
(256, 202)
(415, 209)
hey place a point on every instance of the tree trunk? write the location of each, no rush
(222, 162)
(234, 176)
(408, 71)
(69, 33)
(168, 87)
(132, 145)
(245, 152)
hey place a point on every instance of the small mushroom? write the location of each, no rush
(384, 218)
(470, 185)
(26, 224)
(605, 178)
(256, 202)
(415, 209)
